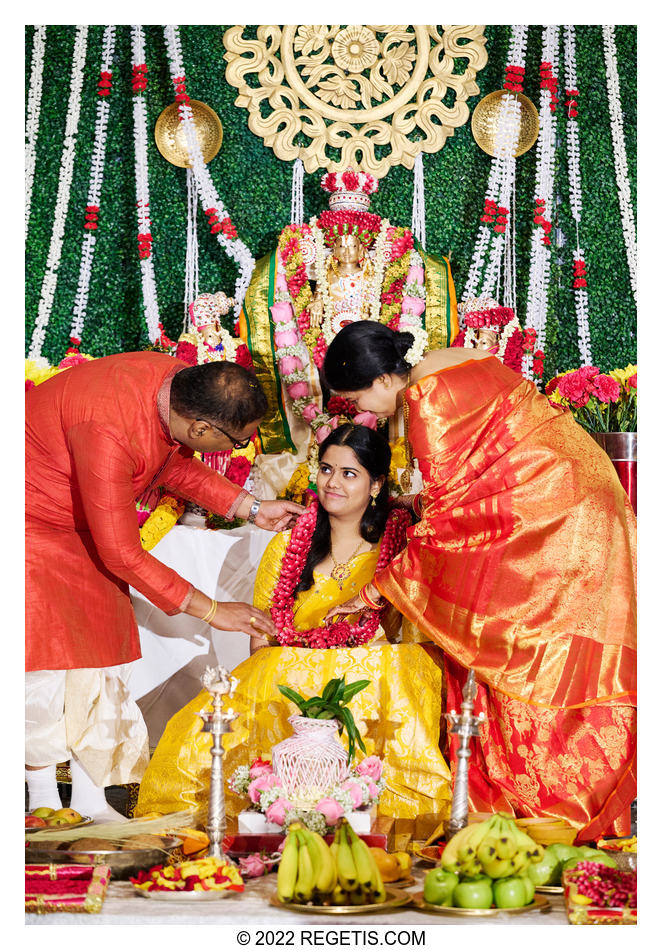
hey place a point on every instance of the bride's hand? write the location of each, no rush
(353, 606)
(405, 501)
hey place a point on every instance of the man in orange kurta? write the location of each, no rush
(99, 436)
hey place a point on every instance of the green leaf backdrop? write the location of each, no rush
(256, 189)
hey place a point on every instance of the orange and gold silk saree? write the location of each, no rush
(522, 567)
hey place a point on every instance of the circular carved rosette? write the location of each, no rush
(331, 94)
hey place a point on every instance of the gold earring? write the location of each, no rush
(373, 495)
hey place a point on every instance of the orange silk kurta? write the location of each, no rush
(97, 438)
(522, 567)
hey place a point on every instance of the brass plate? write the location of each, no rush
(485, 119)
(538, 903)
(185, 896)
(429, 855)
(171, 139)
(549, 889)
(393, 899)
(403, 882)
(85, 820)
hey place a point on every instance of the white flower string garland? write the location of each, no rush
(94, 188)
(139, 85)
(33, 114)
(501, 181)
(538, 291)
(217, 216)
(575, 187)
(49, 282)
(620, 156)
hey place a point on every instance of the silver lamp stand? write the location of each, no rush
(465, 725)
(220, 684)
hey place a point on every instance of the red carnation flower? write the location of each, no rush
(607, 388)
(351, 181)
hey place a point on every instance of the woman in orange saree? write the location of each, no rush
(521, 566)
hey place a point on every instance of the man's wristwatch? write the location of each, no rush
(252, 514)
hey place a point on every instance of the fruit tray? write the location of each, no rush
(49, 887)
(581, 909)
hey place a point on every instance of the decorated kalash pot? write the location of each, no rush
(485, 325)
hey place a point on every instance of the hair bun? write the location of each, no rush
(402, 341)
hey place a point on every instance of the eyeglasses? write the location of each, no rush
(236, 443)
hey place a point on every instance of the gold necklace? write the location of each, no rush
(405, 478)
(341, 570)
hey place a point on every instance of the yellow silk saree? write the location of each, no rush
(398, 714)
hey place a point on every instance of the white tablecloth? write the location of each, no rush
(177, 649)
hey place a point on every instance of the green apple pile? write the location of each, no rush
(561, 857)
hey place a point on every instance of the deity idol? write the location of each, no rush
(346, 265)
(484, 325)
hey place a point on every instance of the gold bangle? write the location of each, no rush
(209, 616)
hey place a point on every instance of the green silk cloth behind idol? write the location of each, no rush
(278, 431)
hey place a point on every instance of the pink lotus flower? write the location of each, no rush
(370, 767)
(413, 305)
(355, 791)
(415, 274)
(310, 412)
(281, 312)
(281, 281)
(277, 810)
(331, 809)
(298, 390)
(261, 784)
(285, 338)
(368, 419)
(259, 767)
(290, 364)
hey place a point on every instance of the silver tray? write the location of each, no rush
(538, 903)
(185, 896)
(123, 864)
(85, 820)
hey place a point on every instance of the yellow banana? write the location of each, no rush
(505, 844)
(487, 849)
(287, 869)
(323, 863)
(303, 890)
(520, 861)
(358, 897)
(472, 867)
(339, 896)
(363, 860)
(450, 854)
(347, 875)
(524, 842)
(498, 867)
(473, 841)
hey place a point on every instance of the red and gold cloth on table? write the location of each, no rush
(97, 438)
(523, 568)
(68, 887)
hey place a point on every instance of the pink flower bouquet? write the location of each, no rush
(600, 402)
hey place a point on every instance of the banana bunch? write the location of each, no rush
(344, 873)
(496, 847)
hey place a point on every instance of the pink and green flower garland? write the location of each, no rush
(339, 633)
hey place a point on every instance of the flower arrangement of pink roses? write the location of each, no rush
(600, 402)
(358, 792)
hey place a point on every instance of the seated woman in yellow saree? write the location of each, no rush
(521, 567)
(332, 553)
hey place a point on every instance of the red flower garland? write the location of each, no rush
(338, 633)
(514, 78)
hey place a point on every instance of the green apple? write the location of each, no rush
(473, 892)
(439, 885)
(529, 887)
(42, 812)
(563, 851)
(547, 871)
(510, 892)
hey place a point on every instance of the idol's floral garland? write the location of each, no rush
(496, 206)
(538, 290)
(398, 268)
(337, 633)
(94, 188)
(320, 809)
(620, 157)
(164, 517)
(33, 113)
(218, 219)
(579, 284)
(148, 280)
(49, 282)
(513, 342)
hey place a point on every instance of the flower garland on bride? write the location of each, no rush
(339, 633)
